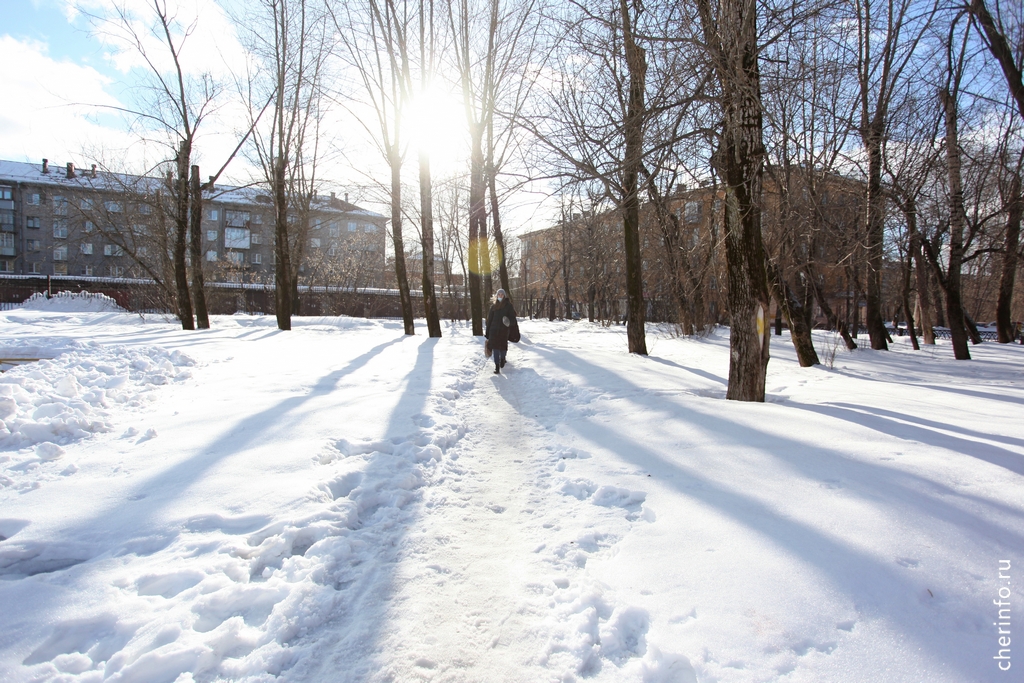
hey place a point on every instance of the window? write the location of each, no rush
(236, 257)
(60, 229)
(116, 271)
(112, 250)
(6, 266)
(211, 235)
(213, 214)
(86, 270)
(89, 226)
(352, 226)
(236, 219)
(692, 212)
(7, 241)
(7, 220)
(142, 251)
(33, 245)
(236, 238)
(256, 238)
(314, 243)
(86, 248)
(257, 259)
(370, 227)
(211, 256)
(60, 205)
(140, 229)
(35, 268)
(6, 193)
(257, 219)
(316, 223)
(112, 207)
(332, 229)
(145, 209)
(333, 251)
(291, 218)
(60, 269)
(85, 204)
(34, 199)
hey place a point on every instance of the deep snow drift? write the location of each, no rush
(344, 503)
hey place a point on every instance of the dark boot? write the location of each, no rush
(497, 370)
(502, 362)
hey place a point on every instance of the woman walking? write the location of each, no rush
(500, 320)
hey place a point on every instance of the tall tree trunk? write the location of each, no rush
(282, 256)
(733, 41)
(633, 130)
(678, 262)
(181, 195)
(427, 245)
(834, 320)
(499, 236)
(477, 226)
(875, 226)
(196, 251)
(957, 223)
(924, 291)
(916, 260)
(793, 308)
(396, 237)
(1007, 279)
(908, 310)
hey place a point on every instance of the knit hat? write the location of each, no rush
(500, 292)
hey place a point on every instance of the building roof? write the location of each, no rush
(57, 177)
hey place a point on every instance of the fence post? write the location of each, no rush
(49, 287)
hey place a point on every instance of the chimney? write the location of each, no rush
(334, 198)
(346, 197)
(94, 170)
(213, 186)
(71, 170)
(46, 165)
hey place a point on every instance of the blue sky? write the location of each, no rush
(46, 22)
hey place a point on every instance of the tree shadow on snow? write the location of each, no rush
(118, 531)
(896, 425)
(895, 597)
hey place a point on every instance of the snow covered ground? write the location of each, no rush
(344, 503)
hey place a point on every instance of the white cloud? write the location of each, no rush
(52, 107)
(205, 35)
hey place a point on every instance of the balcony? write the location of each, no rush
(8, 251)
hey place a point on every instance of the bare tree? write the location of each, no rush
(289, 43)
(732, 40)
(376, 44)
(888, 34)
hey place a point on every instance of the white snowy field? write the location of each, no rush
(345, 503)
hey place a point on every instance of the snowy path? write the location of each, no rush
(463, 570)
(343, 503)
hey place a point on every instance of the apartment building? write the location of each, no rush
(60, 220)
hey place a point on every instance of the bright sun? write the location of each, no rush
(436, 119)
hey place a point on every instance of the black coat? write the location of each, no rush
(496, 331)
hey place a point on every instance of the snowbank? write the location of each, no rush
(72, 302)
(60, 400)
